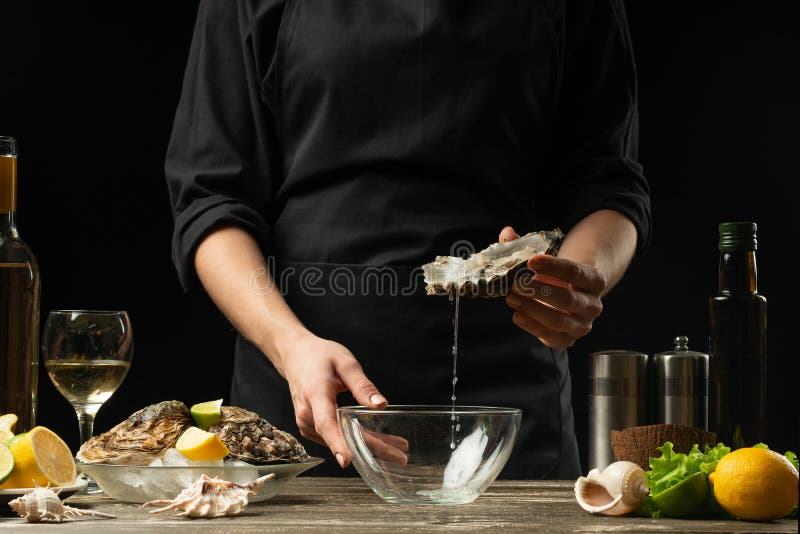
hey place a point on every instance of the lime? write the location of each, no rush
(684, 499)
(199, 445)
(207, 413)
(6, 463)
(15, 439)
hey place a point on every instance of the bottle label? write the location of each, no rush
(8, 184)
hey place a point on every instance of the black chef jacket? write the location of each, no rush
(353, 134)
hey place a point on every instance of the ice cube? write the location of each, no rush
(156, 463)
(174, 458)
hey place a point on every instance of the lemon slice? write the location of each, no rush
(8, 421)
(207, 413)
(6, 435)
(40, 457)
(6, 463)
(199, 445)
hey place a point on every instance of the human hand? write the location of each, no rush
(560, 302)
(317, 370)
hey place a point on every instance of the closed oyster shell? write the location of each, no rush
(141, 438)
(253, 439)
(490, 272)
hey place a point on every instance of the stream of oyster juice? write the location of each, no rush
(454, 427)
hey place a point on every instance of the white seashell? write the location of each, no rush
(211, 497)
(43, 504)
(616, 490)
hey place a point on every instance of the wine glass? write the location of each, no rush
(87, 355)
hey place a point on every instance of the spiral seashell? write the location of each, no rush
(616, 490)
(211, 497)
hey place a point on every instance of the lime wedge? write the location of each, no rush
(684, 499)
(6, 463)
(15, 439)
(206, 414)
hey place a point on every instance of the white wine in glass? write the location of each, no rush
(87, 355)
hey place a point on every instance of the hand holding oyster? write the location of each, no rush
(150, 432)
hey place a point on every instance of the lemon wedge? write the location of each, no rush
(199, 445)
(40, 457)
(207, 413)
(8, 421)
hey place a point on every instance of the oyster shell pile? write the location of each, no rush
(490, 272)
(148, 433)
(254, 440)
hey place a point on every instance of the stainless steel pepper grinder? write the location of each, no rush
(681, 386)
(617, 399)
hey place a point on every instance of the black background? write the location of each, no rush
(90, 88)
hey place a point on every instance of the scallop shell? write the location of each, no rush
(616, 490)
(490, 272)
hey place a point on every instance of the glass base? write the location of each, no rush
(92, 488)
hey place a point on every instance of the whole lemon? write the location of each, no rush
(755, 484)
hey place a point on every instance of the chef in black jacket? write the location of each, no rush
(357, 139)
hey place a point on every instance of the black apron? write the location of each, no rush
(347, 133)
(403, 338)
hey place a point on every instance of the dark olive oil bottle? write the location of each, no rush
(738, 349)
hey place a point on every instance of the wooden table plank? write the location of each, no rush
(329, 505)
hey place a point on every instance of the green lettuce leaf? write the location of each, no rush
(671, 468)
(792, 457)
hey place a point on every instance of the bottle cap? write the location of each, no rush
(737, 236)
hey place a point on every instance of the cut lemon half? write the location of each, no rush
(6, 463)
(199, 445)
(40, 457)
(207, 413)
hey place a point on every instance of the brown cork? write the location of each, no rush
(638, 444)
(8, 184)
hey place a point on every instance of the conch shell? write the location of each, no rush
(211, 497)
(616, 490)
(44, 505)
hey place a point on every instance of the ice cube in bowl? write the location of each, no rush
(429, 454)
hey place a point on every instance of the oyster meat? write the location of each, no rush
(253, 439)
(141, 438)
(490, 272)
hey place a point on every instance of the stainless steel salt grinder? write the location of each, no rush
(617, 399)
(681, 385)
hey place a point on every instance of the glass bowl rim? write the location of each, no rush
(430, 409)
(88, 312)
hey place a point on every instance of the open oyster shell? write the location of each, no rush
(490, 272)
(141, 438)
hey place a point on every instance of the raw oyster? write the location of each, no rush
(490, 272)
(252, 439)
(141, 438)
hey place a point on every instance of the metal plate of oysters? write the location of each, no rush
(127, 461)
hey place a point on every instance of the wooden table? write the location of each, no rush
(347, 505)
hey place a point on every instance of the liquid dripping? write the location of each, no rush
(454, 296)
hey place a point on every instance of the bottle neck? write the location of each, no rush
(8, 195)
(738, 273)
(8, 224)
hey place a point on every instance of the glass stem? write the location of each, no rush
(85, 424)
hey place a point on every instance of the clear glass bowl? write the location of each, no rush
(142, 483)
(429, 454)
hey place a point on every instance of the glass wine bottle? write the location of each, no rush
(19, 303)
(738, 349)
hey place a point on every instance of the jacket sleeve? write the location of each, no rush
(597, 120)
(220, 157)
